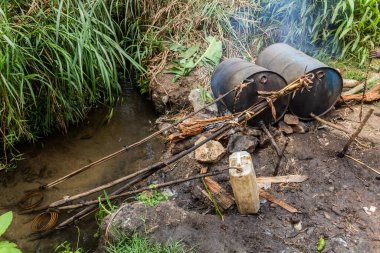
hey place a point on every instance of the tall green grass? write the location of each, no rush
(57, 59)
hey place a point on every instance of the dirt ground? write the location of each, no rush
(331, 201)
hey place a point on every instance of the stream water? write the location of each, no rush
(58, 155)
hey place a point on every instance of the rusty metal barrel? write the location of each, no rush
(234, 72)
(292, 64)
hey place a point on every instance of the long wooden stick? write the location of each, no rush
(365, 165)
(126, 148)
(270, 197)
(147, 188)
(330, 124)
(365, 88)
(355, 134)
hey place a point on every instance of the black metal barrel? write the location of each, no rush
(232, 73)
(292, 64)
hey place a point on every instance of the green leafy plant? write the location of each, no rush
(152, 198)
(190, 57)
(205, 95)
(105, 208)
(5, 222)
(66, 247)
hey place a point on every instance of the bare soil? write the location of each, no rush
(331, 201)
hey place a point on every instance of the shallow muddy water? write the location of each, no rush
(58, 155)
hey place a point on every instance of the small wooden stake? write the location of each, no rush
(355, 134)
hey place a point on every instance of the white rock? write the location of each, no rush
(210, 152)
(298, 226)
(197, 102)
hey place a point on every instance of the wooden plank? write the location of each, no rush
(282, 179)
(221, 196)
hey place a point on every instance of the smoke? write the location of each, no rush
(299, 23)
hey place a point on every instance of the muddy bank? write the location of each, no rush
(331, 201)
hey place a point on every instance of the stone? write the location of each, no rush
(339, 245)
(291, 119)
(298, 226)
(300, 128)
(283, 127)
(239, 142)
(140, 218)
(210, 152)
(196, 101)
(327, 216)
(253, 132)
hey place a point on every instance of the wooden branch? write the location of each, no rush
(274, 199)
(372, 95)
(224, 199)
(330, 124)
(151, 169)
(365, 165)
(355, 134)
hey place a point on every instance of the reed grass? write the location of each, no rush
(58, 58)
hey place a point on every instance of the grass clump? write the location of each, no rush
(105, 208)
(138, 244)
(58, 59)
(66, 247)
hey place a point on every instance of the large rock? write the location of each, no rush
(210, 152)
(239, 142)
(168, 222)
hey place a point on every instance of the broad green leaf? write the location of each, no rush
(176, 47)
(5, 221)
(190, 51)
(6, 244)
(9, 250)
(214, 52)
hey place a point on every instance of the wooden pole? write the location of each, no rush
(330, 124)
(342, 153)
